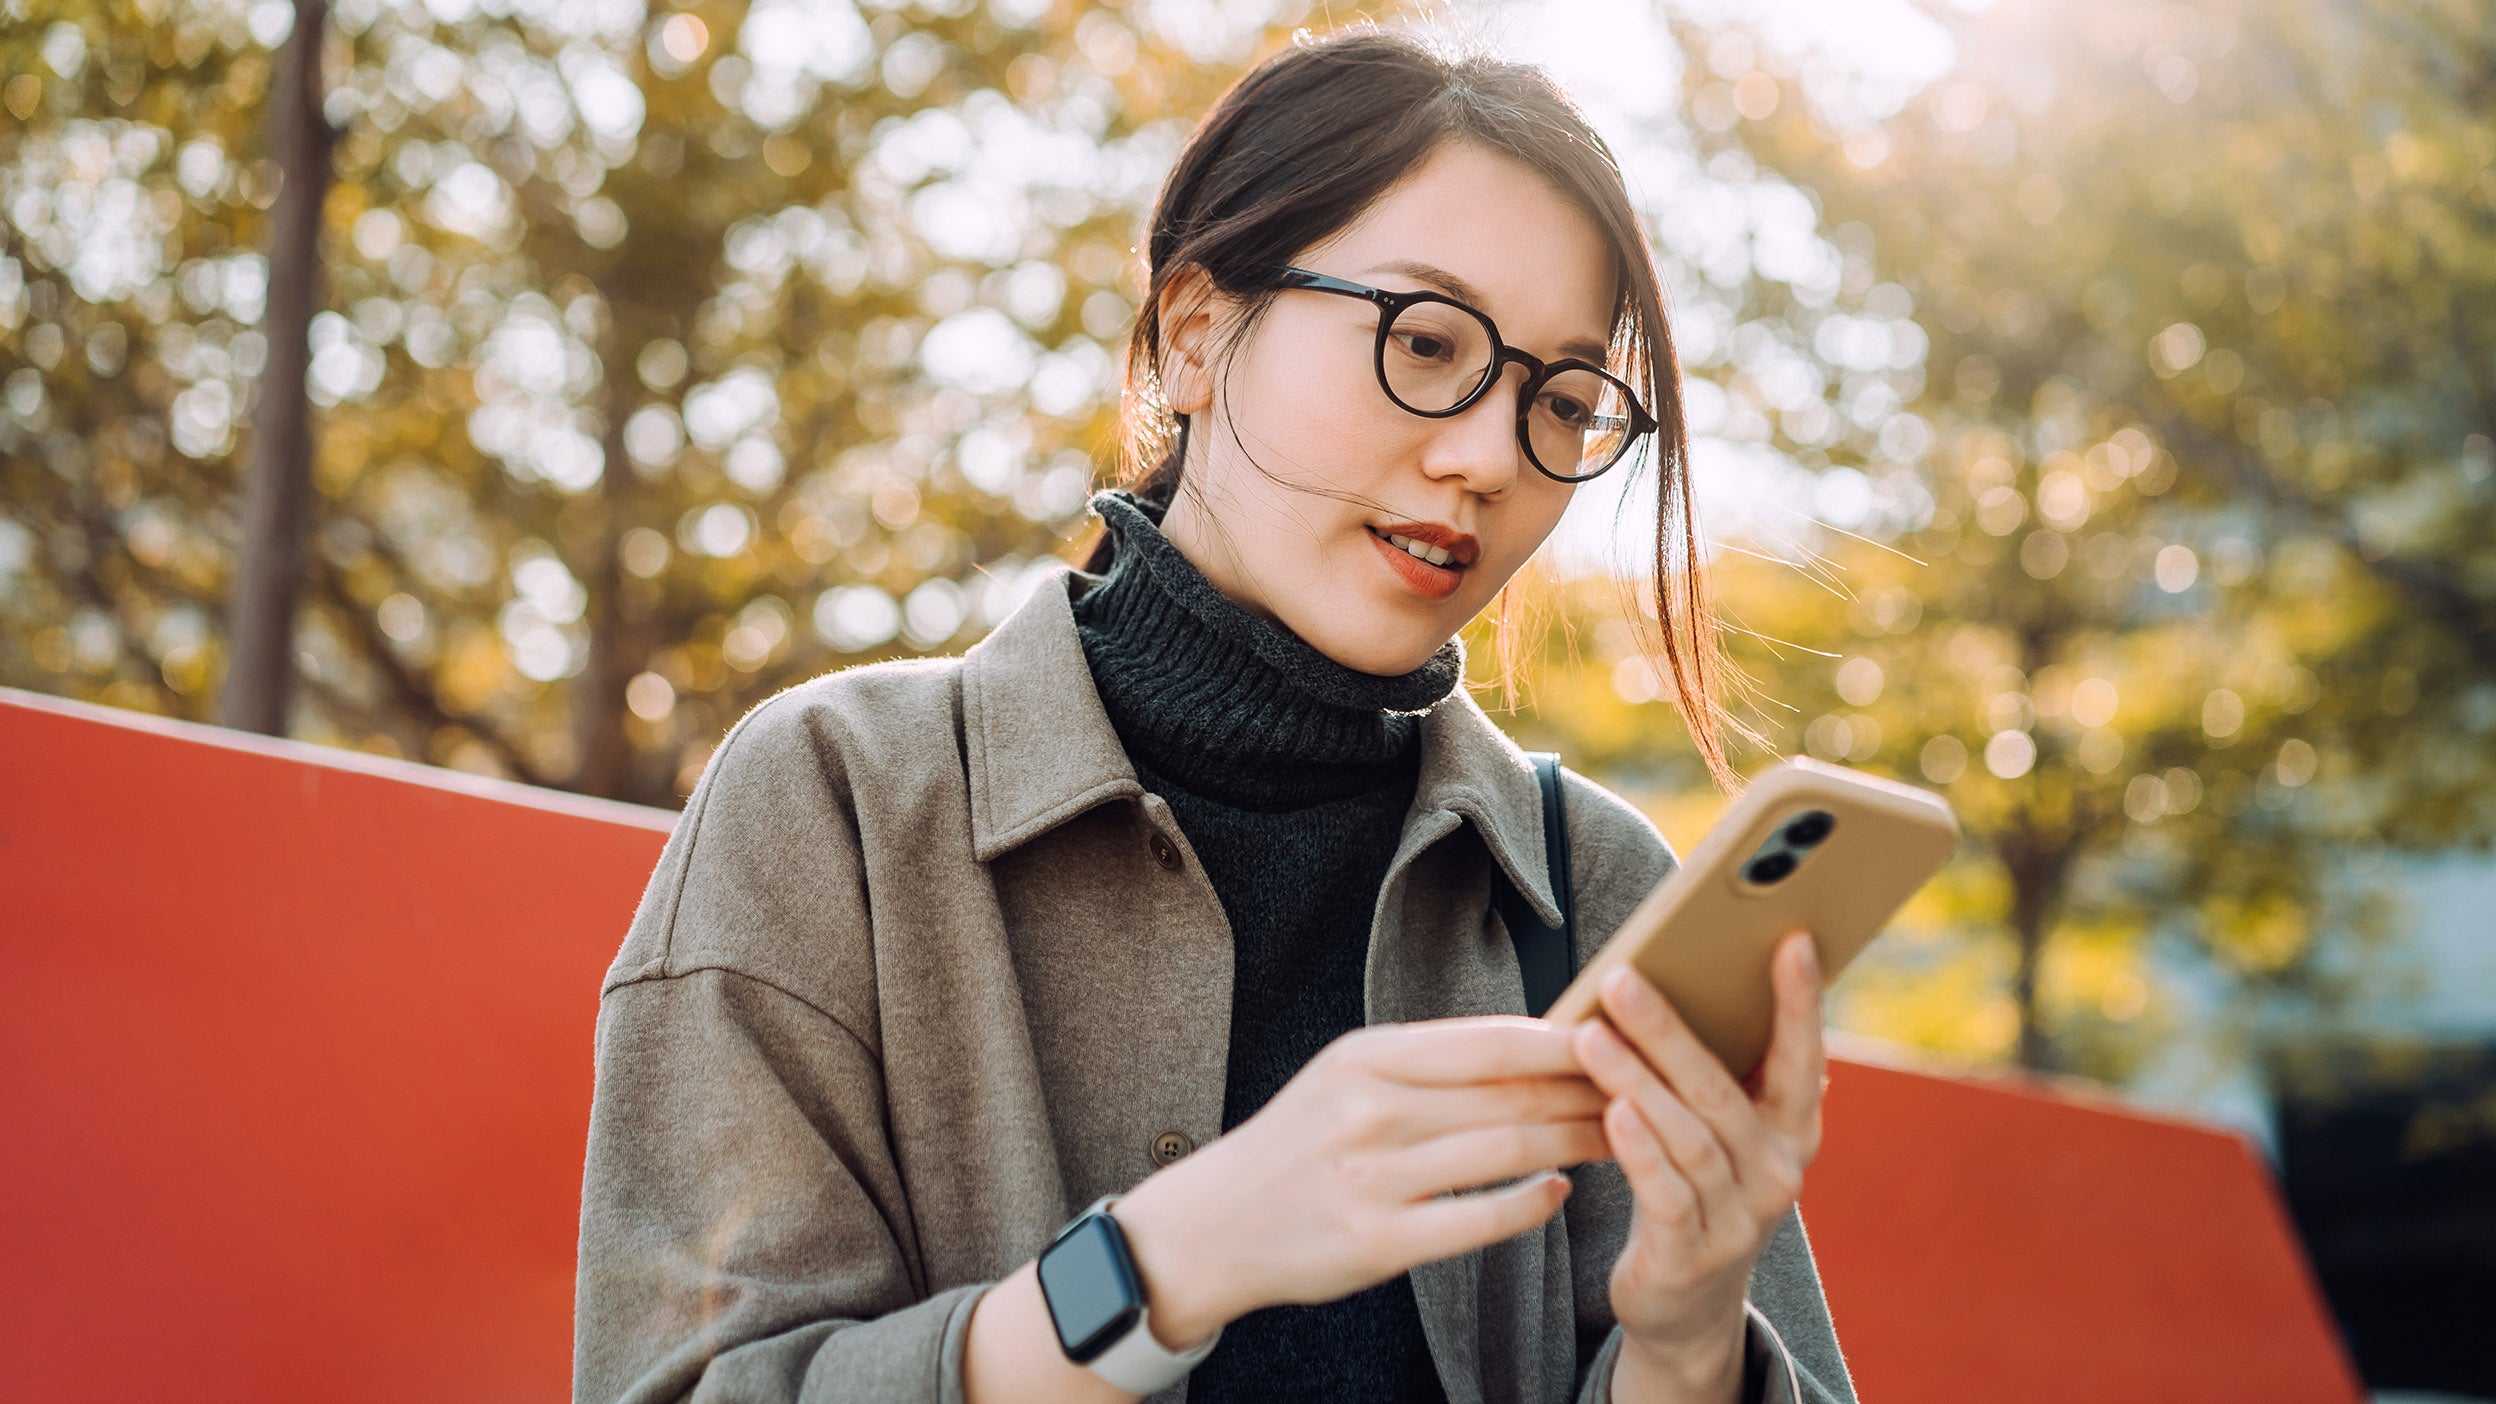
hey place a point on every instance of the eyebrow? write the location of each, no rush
(1456, 287)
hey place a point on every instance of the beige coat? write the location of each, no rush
(924, 970)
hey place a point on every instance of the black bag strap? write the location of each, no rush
(1546, 955)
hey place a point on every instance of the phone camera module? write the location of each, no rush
(1769, 868)
(1811, 827)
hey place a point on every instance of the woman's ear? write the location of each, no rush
(1188, 312)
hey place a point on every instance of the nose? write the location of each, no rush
(1479, 447)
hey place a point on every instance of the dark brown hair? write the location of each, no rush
(1305, 143)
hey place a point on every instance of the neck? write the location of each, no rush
(1228, 704)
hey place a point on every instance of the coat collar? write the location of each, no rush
(1040, 748)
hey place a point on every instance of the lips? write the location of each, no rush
(1460, 549)
(1427, 577)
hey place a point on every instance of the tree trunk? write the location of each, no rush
(277, 496)
(2035, 1053)
(606, 753)
(2036, 875)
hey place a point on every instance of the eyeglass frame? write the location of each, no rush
(1537, 371)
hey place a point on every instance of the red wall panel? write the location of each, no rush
(295, 1068)
(294, 1064)
(1997, 1242)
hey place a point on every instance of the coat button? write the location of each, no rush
(1170, 1146)
(1166, 854)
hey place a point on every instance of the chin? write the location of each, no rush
(1384, 657)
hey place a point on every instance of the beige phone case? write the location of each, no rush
(1704, 936)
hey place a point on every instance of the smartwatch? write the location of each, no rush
(1096, 1302)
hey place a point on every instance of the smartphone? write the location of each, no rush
(1807, 846)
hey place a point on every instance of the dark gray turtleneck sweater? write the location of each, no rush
(1290, 775)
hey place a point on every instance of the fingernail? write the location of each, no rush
(1810, 957)
(1628, 988)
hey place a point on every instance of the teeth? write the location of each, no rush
(1435, 555)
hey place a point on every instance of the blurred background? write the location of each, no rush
(2094, 412)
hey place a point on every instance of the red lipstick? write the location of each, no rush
(1434, 582)
(1456, 543)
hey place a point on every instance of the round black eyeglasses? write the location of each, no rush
(1436, 357)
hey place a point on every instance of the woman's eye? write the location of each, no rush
(1569, 412)
(1425, 346)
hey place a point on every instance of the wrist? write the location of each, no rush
(1176, 1241)
(1705, 1365)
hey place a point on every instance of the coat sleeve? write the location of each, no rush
(1792, 1355)
(744, 1230)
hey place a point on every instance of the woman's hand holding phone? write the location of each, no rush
(1714, 1167)
(1344, 1179)
(1352, 1173)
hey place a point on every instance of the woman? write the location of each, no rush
(1176, 891)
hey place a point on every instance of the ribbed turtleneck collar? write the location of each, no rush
(1226, 704)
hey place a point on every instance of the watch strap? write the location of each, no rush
(1137, 1362)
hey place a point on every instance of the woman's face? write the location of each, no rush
(1299, 466)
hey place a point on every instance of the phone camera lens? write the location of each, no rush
(1771, 868)
(1810, 828)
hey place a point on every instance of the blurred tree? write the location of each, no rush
(128, 298)
(2210, 374)
(2145, 404)
(670, 356)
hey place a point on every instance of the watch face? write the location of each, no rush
(1090, 1288)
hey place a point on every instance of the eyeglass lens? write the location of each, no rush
(1435, 355)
